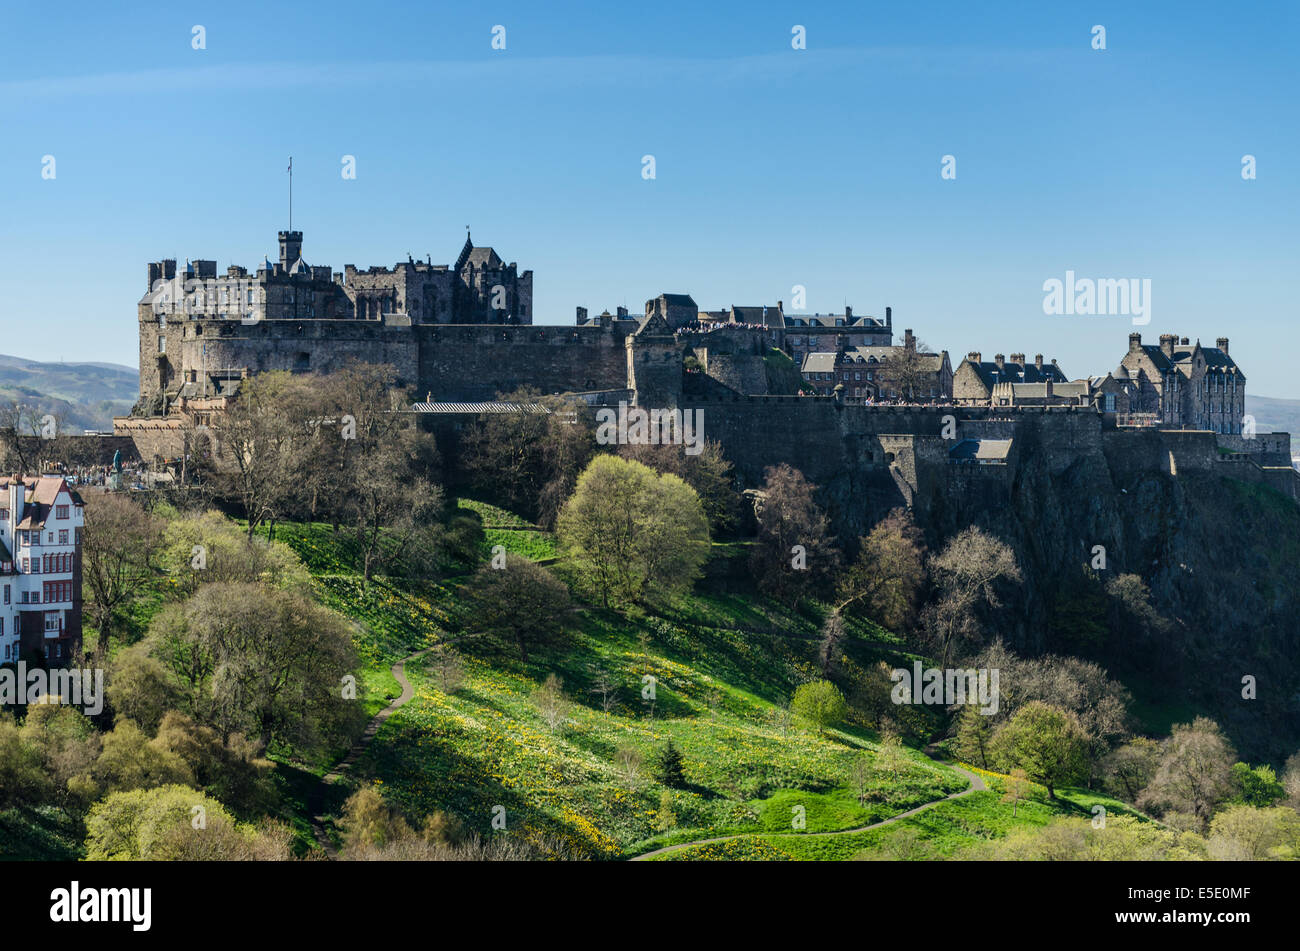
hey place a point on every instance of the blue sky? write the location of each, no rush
(775, 167)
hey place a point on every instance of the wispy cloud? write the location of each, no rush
(777, 66)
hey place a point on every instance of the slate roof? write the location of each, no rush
(819, 362)
(827, 322)
(1216, 361)
(1039, 390)
(871, 355)
(989, 373)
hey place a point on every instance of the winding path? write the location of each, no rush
(976, 784)
(359, 747)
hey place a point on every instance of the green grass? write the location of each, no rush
(941, 831)
(722, 664)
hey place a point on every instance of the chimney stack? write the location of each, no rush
(1018, 358)
(909, 341)
(582, 315)
(1038, 360)
(848, 314)
(1222, 344)
(1000, 359)
(889, 317)
(974, 356)
(1167, 342)
(1134, 342)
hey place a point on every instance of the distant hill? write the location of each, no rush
(84, 395)
(1274, 415)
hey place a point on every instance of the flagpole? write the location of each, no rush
(290, 192)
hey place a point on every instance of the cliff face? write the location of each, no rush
(1221, 556)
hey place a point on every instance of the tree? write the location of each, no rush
(552, 704)
(967, 573)
(261, 437)
(669, 768)
(632, 532)
(153, 823)
(890, 758)
(522, 603)
(820, 703)
(863, 774)
(909, 372)
(232, 770)
(1077, 686)
(448, 669)
(974, 735)
(529, 461)
(1291, 780)
(1195, 771)
(206, 547)
(887, 576)
(1257, 786)
(23, 776)
(259, 661)
(795, 554)
(629, 763)
(119, 542)
(1245, 833)
(605, 686)
(1129, 768)
(707, 472)
(68, 745)
(832, 644)
(1046, 742)
(1017, 790)
(131, 760)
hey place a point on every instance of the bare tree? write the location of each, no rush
(967, 572)
(552, 704)
(119, 542)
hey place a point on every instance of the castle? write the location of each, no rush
(199, 330)
(461, 336)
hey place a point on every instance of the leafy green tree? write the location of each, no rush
(131, 760)
(1245, 833)
(1046, 742)
(820, 703)
(1257, 786)
(974, 735)
(174, 823)
(632, 532)
(207, 547)
(23, 778)
(269, 664)
(522, 603)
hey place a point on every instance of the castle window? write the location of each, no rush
(162, 344)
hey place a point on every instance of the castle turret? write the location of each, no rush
(290, 248)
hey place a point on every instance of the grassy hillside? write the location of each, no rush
(723, 664)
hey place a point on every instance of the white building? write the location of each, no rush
(41, 523)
